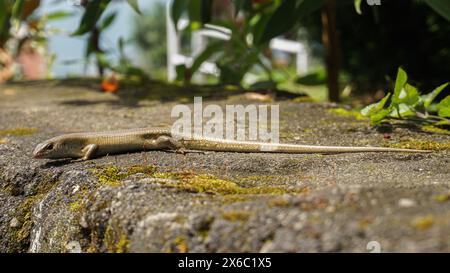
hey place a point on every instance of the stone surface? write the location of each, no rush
(211, 202)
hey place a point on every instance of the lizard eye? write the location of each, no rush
(50, 146)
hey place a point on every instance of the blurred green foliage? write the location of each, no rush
(253, 24)
(149, 34)
(396, 33)
(93, 23)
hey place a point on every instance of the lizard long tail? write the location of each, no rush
(241, 146)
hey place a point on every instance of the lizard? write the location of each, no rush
(85, 146)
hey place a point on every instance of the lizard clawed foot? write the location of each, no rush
(181, 151)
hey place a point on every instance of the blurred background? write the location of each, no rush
(353, 48)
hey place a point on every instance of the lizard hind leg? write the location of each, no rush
(166, 142)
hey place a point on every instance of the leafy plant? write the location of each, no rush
(93, 23)
(254, 24)
(407, 104)
(17, 14)
(124, 66)
(149, 35)
(12, 15)
(252, 27)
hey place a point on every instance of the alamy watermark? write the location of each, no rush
(373, 247)
(373, 2)
(235, 122)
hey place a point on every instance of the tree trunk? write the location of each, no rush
(331, 42)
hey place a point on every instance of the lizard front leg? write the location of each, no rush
(89, 151)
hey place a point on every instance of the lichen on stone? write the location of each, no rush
(204, 183)
(279, 202)
(423, 222)
(19, 131)
(181, 245)
(347, 113)
(435, 129)
(442, 197)
(113, 176)
(23, 214)
(116, 239)
(236, 215)
(419, 144)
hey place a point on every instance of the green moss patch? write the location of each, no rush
(204, 183)
(347, 113)
(113, 176)
(24, 212)
(435, 129)
(116, 240)
(420, 145)
(180, 245)
(187, 181)
(20, 131)
(423, 223)
(236, 215)
(442, 197)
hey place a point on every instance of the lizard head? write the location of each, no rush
(56, 148)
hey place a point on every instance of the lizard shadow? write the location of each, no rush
(387, 128)
(57, 163)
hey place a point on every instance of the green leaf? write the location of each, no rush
(109, 19)
(135, 71)
(285, 17)
(181, 72)
(236, 64)
(242, 5)
(403, 110)
(135, 5)
(314, 78)
(408, 95)
(267, 85)
(376, 111)
(92, 14)
(374, 108)
(17, 9)
(4, 22)
(379, 116)
(103, 60)
(442, 7)
(195, 14)
(212, 48)
(281, 20)
(178, 8)
(429, 98)
(444, 108)
(57, 15)
(3, 13)
(260, 27)
(206, 11)
(357, 4)
(400, 82)
(307, 7)
(4, 30)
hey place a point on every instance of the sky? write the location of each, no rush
(68, 49)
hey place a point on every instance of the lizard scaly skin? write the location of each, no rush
(90, 145)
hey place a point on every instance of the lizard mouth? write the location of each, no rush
(38, 155)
